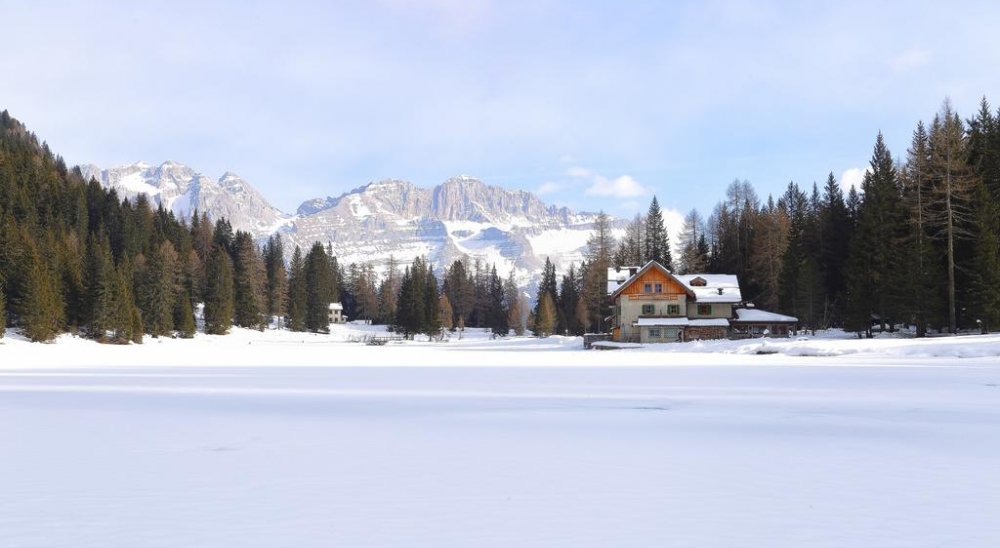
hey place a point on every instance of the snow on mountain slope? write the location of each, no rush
(182, 190)
(461, 217)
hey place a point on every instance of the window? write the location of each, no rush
(658, 288)
(647, 288)
(704, 310)
(654, 332)
(648, 310)
(673, 310)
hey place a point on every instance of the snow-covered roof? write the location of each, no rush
(717, 288)
(336, 306)
(710, 322)
(763, 316)
(708, 288)
(668, 322)
(618, 276)
(635, 274)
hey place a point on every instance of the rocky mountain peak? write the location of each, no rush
(183, 190)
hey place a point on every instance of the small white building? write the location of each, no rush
(337, 313)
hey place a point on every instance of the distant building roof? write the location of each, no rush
(712, 288)
(756, 315)
(336, 306)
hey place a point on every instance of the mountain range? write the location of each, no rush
(383, 221)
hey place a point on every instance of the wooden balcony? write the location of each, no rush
(654, 297)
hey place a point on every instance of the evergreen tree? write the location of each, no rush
(411, 316)
(984, 148)
(115, 319)
(40, 308)
(431, 324)
(876, 269)
(184, 322)
(630, 250)
(219, 305)
(835, 229)
(573, 308)
(156, 286)
(249, 283)
(110, 317)
(547, 286)
(277, 277)
(337, 285)
(133, 317)
(657, 242)
(498, 320)
(985, 283)
(297, 294)
(319, 289)
(3, 311)
(70, 255)
(513, 303)
(201, 244)
(796, 250)
(223, 236)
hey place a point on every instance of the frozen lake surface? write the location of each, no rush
(793, 454)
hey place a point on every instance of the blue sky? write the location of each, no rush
(593, 104)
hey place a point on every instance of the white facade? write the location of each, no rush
(337, 313)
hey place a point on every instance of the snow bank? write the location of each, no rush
(476, 347)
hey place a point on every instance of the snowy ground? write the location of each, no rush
(276, 439)
(279, 347)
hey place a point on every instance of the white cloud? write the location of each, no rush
(910, 59)
(853, 177)
(620, 187)
(623, 186)
(548, 187)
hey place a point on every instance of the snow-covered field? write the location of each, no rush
(280, 439)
